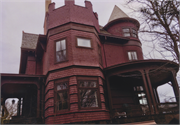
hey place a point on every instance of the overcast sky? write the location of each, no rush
(17, 16)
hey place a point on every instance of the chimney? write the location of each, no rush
(47, 2)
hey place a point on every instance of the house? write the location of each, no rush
(81, 72)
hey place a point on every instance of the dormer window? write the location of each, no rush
(126, 32)
(134, 32)
(132, 55)
(83, 42)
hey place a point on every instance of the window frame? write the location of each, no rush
(55, 59)
(83, 38)
(86, 88)
(131, 55)
(56, 83)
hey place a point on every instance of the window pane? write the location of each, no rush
(129, 55)
(63, 44)
(61, 56)
(87, 84)
(61, 50)
(62, 100)
(83, 42)
(126, 30)
(126, 34)
(132, 55)
(58, 46)
(88, 98)
(134, 31)
(62, 86)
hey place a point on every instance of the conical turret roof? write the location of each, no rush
(117, 13)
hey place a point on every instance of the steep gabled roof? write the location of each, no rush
(117, 13)
(29, 41)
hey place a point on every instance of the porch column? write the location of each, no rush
(38, 103)
(19, 107)
(156, 95)
(151, 91)
(175, 85)
(109, 94)
(147, 92)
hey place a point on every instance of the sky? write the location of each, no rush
(17, 16)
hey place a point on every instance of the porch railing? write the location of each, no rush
(143, 110)
(168, 107)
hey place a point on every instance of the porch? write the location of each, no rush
(20, 98)
(132, 90)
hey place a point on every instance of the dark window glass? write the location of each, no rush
(88, 98)
(61, 50)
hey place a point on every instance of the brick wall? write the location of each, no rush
(73, 114)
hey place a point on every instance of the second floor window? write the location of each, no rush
(132, 55)
(61, 50)
(82, 42)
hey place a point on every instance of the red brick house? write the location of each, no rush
(81, 72)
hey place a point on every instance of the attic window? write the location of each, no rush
(126, 32)
(83, 42)
(134, 32)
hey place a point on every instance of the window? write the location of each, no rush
(141, 95)
(132, 55)
(100, 55)
(129, 32)
(134, 33)
(61, 50)
(126, 32)
(82, 42)
(61, 93)
(88, 94)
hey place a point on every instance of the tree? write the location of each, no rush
(161, 21)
